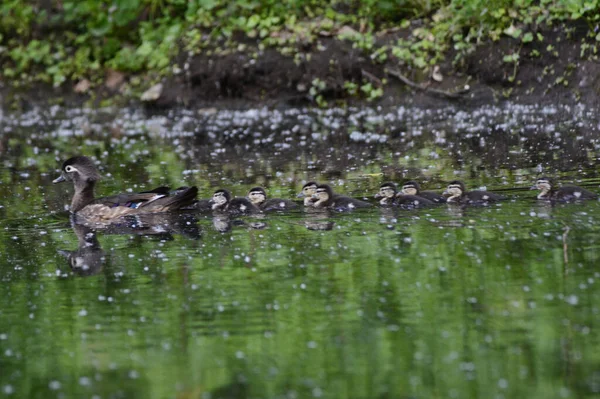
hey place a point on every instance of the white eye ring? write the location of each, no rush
(69, 169)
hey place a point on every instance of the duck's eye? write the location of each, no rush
(69, 169)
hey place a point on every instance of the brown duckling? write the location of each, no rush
(82, 172)
(324, 197)
(258, 196)
(567, 193)
(413, 188)
(390, 197)
(456, 193)
(222, 201)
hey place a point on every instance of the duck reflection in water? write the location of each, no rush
(89, 257)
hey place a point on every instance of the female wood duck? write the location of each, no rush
(324, 197)
(457, 194)
(308, 190)
(84, 175)
(413, 188)
(389, 196)
(258, 196)
(223, 202)
(566, 193)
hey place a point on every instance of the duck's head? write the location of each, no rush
(257, 195)
(322, 193)
(544, 184)
(387, 192)
(410, 188)
(308, 190)
(81, 170)
(454, 190)
(219, 199)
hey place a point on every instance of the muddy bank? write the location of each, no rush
(557, 69)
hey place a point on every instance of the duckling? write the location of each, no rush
(324, 197)
(457, 194)
(413, 188)
(308, 190)
(565, 193)
(258, 197)
(83, 173)
(223, 202)
(389, 196)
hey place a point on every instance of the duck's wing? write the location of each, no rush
(131, 199)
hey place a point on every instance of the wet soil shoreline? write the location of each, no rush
(552, 71)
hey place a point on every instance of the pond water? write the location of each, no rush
(500, 301)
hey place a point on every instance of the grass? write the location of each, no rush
(60, 42)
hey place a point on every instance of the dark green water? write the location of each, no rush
(491, 302)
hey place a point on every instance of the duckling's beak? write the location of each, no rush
(59, 179)
(377, 196)
(534, 187)
(445, 193)
(314, 196)
(300, 195)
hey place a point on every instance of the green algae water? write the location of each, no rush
(498, 301)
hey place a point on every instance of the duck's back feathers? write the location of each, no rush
(278, 204)
(241, 206)
(432, 196)
(343, 203)
(412, 201)
(573, 193)
(478, 196)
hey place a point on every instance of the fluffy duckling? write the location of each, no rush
(222, 201)
(413, 188)
(82, 172)
(567, 193)
(258, 196)
(389, 196)
(456, 193)
(308, 190)
(324, 197)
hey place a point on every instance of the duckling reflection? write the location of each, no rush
(223, 223)
(318, 220)
(89, 258)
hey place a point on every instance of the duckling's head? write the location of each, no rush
(410, 188)
(81, 170)
(257, 195)
(387, 192)
(322, 194)
(544, 184)
(219, 199)
(308, 190)
(454, 191)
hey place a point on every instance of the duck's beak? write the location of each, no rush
(534, 187)
(59, 179)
